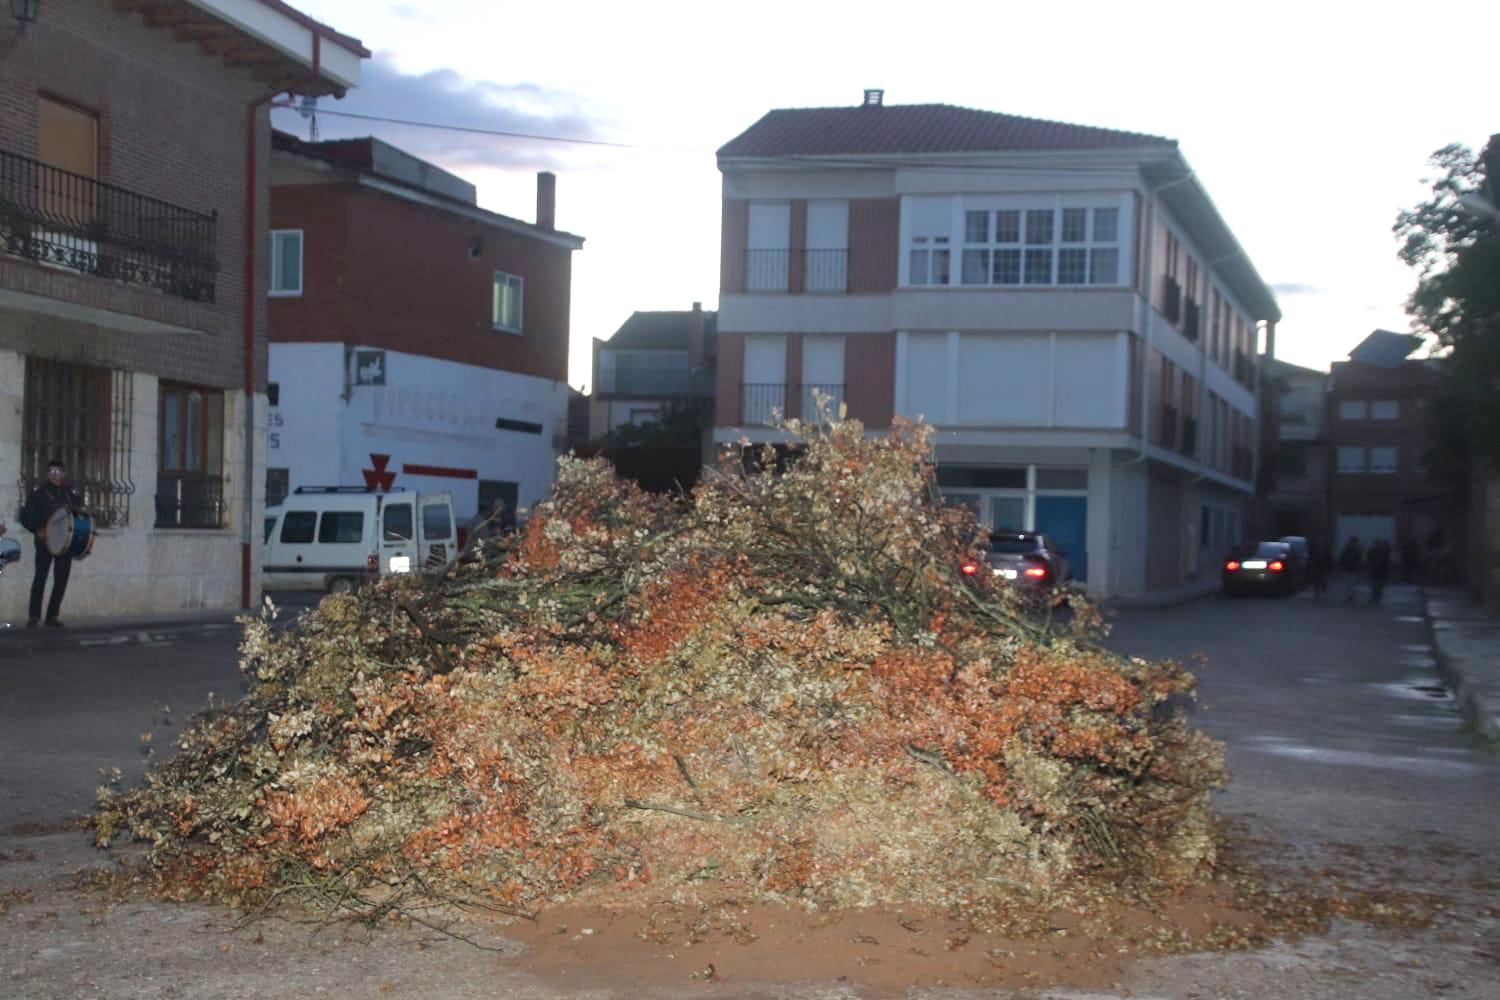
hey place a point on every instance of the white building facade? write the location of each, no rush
(1063, 304)
(349, 416)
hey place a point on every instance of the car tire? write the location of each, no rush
(342, 585)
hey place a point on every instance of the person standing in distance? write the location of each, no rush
(43, 502)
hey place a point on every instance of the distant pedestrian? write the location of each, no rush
(1380, 568)
(1351, 559)
(1319, 568)
(1411, 560)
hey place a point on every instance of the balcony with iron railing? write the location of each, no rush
(762, 402)
(67, 220)
(819, 271)
(1167, 429)
(1188, 444)
(821, 401)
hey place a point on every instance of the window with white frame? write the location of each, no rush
(929, 254)
(1071, 245)
(1352, 461)
(1385, 409)
(1352, 409)
(286, 262)
(505, 302)
(1383, 460)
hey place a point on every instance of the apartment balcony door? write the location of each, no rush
(66, 138)
(764, 386)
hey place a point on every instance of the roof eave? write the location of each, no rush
(1173, 175)
(1113, 155)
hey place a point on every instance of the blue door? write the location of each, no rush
(1065, 520)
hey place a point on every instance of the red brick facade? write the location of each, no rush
(874, 234)
(727, 379)
(171, 126)
(870, 377)
(382, 270)
(734, 234)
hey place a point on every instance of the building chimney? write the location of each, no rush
(696, 352)
(546, 199)
(874, 98)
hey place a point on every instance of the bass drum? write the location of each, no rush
(70, 535)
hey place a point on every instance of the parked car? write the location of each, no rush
(1263, 567)
(1025, 558)
(332, 538)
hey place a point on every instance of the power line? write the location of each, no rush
(500, 133)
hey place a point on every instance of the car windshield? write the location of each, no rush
(1012, 545)
(1271, 549)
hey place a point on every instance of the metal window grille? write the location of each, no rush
(81, 415)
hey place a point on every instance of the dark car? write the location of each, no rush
(1263, 567)
(1025, 558)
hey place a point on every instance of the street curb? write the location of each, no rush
(145, 623)
(1146, 603)
(1479, 717)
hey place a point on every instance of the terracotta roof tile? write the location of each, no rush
(918, 128)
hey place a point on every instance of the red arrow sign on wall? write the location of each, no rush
(378, 477)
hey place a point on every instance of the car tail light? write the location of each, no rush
(969, 568)
(1036, 572)
(372, 562)
(1277, 566)
(1231, 566)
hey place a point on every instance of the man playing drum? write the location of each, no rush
(45, 501)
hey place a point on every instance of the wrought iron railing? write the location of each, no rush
(64, 219)
(821, 401)
(825, 271)
(762, 403)
(80, 415)
(767, 270)
(820, 270)
(190, 502)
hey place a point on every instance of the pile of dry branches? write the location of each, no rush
(784, 689)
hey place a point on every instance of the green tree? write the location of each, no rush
(1453, 241)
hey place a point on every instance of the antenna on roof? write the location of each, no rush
(307, 107)
(874, 98)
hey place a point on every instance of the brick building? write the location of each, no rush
(134, 140)
(417, 340)
(1295, 475)
(1064, 303)
(1378, 435)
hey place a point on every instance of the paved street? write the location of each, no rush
(1344, 749)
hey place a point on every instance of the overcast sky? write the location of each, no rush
(1309, 123)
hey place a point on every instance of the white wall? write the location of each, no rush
(1128, 544)
(1050, 380)
(429, 413)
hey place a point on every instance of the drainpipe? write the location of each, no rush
(252, 111)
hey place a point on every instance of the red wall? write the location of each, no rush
(385, 272)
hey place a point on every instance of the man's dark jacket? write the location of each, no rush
(44, 502)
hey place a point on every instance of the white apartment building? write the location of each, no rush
(1064, 303)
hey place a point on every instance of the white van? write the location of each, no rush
(330, 538)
